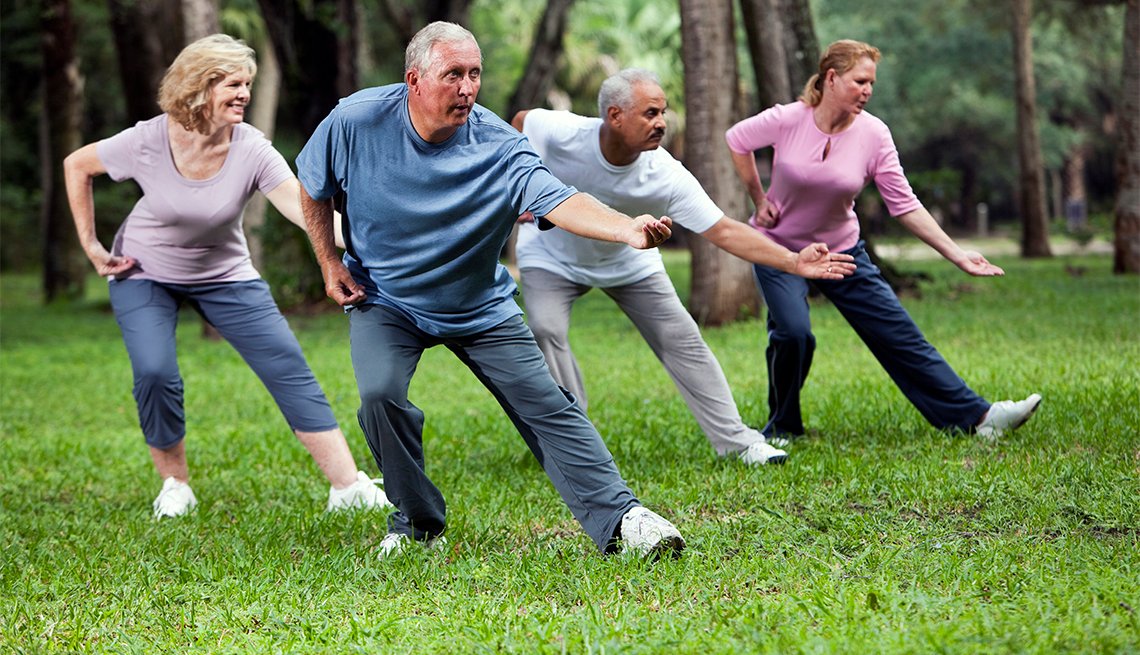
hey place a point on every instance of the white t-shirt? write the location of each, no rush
(655, 184)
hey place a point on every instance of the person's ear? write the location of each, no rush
(412, 79)
(613, 115)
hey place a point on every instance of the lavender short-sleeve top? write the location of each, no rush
(187, 231)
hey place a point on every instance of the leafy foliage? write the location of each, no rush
(945, 88)
(945, 84)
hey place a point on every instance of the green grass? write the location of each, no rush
(880, 534)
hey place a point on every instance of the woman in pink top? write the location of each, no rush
(198, 164)
(826, 150)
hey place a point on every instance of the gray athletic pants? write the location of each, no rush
(653, 306)
(386, 348)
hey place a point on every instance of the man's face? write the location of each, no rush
(444, 94)
(642, 125)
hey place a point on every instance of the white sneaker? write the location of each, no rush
(778, 441)
(761, 452)
(648, 534)
(175, 499)
(1007, 415)
(396, 543)
(362, 494)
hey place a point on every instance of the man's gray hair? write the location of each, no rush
(418, 54)
(617, 90)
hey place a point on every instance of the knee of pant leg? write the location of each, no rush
(163, 441)
(382, 391)
(157, 380)
(798, 332)
(545, 330)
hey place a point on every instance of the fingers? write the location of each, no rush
(526, 217)
(653, 232)
(658, 230)
(766, 216)
(989, 268)
(115, 266)
(837, 270)
(979, 266)
(762, 220)
(344, 295)
(340, 285)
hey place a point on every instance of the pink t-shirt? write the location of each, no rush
(189, 231)
(816, 196)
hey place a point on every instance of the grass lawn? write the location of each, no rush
(879, 535)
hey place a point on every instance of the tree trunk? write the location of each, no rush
(407, 18)
(199, 19)
(1126, 242)
(722, 286)
(142, 30)
(317, 55)
(64, 265)
(801, 46)
(765, 30)
(263, 116)
(538, 77)
(543, 62)
(1031, 181)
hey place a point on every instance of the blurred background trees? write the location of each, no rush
(75, 71)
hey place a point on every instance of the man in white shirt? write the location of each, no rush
(617, 159)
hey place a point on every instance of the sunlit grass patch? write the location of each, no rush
(880, 535)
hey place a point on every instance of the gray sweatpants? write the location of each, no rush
(386, 348)
(653, 306)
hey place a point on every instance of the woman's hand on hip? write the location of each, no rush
(107, 264)
(766, 215)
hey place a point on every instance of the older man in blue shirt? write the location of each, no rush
(433, 184)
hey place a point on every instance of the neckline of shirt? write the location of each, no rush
(188, 180)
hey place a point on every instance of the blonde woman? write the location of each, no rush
(182, 244)
(827, 149)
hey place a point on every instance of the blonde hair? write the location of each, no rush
(842, 56)
(184, 92)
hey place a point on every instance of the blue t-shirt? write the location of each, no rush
(425, 222)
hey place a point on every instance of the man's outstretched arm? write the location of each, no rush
(584, 215)
(813, 262)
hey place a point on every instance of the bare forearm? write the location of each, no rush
(81, 200)
(339, 284)
(922, 225)
(750, 245)
(585, 216)
(286, 198)
(745, 165)
(78, 176)
(320, 227)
